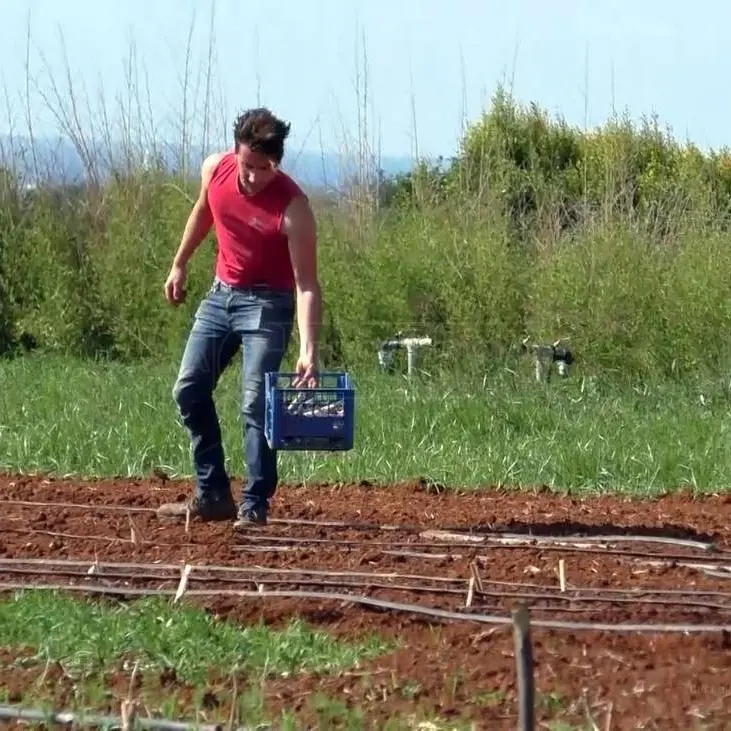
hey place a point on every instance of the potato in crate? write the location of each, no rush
(316, 418)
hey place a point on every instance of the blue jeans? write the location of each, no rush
(261, 321)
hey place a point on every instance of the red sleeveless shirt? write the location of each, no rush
(252, 250)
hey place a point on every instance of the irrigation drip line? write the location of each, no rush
(494, 619)
(20, 713)
(662, 560)
(561, 538)
(567, 597)
(300, 543)
(100, 507)
(567, 548)
(683, 564)
(227, 569)
(105, 539)
(571, 596)
(456, 532)
(103, 566)
(717, 574)
(127, 576)
(305, 543)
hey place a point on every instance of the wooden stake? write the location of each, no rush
(562, 574)
(470, 592)
(184, 573)
(94, 568)
(608, 724)
(476, 576)
(134, 532)
(234, 698)
(524, 666)
(128, 709)
(127, 712)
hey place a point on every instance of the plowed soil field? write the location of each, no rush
(633, 632)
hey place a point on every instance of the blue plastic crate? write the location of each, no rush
(318, 418)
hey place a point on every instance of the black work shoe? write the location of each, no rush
(205, 509)
(251, 517)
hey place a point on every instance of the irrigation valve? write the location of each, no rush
(387, 351)
(546, 355)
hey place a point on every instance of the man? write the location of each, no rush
(266, 270)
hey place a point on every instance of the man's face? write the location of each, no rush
(255, 170)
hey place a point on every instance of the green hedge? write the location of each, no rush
(616, 238)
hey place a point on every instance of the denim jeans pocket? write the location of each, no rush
(209, 308)
(278, 307)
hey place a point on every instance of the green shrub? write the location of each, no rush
(616, 238)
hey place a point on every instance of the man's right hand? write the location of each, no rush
(175, 285)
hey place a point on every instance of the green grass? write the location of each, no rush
(87, 637)
(73, 417)
(91, 640)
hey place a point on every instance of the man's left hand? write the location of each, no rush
(306, 370)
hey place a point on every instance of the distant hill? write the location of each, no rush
(58, 160)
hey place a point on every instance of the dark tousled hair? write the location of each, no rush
(263, 132)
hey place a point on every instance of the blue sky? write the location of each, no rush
(428, 64)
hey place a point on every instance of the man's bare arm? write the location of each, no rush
(200, 219)
(301, 230)
(197, 226)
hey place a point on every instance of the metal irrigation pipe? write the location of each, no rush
(495, 619)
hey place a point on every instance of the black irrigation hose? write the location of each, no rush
(20, 713)
(660, 560)
(79, 506)
(92, 539)
(572, 596)
(372, 575)
(227, 569)
(494, 619)
(419, 588)
(297, 543)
